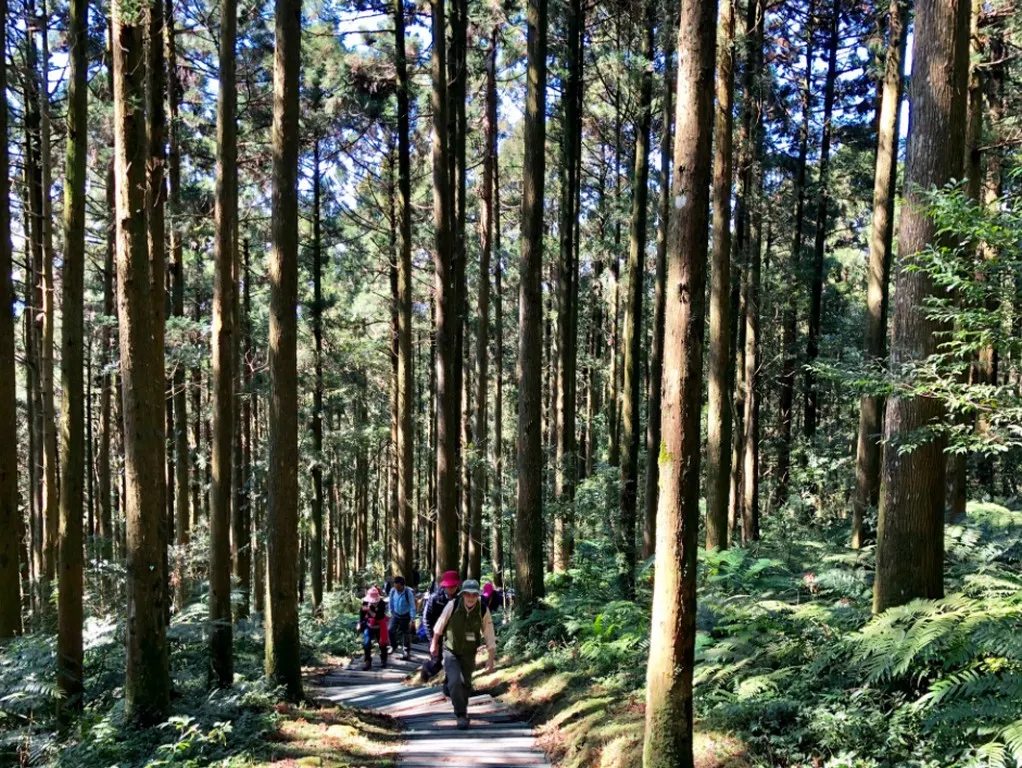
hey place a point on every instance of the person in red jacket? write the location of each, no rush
(372, 624)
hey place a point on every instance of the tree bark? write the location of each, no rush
(223, 359)
(317, 396)
(910, 537)
(718, 417)
(565, 464)
(447, 415)
(497, 548)
(669, 706)
(147, 673)
(632, 342)
(529, 525)
(72, 419)
(10, 597)
(868, 448)
(283, 663)
(405, 385)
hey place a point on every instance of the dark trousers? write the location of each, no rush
(368, 635)
(399, 634)
(458, 670)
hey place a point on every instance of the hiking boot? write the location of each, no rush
(462, 723)
(406, 655)
(367, 665)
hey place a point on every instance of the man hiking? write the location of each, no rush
(431, 611)
(462, 627)
(402, 616)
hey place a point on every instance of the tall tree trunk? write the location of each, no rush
(868, 450)
(283, 663)
(223, 358)
(243, 446)
(317, 396)
(654, 411)
(72, 426)
(497, 547)
(789, 320)
(718, 417)
(105, 469)
(10, 602)
(181, 456)
(490, 128)
(405, 385)
(529, 525)
(632, 380)
(668, 734)
(147, 673)
(812, 394)
(448, 415)
(565, 465)
(910, 537)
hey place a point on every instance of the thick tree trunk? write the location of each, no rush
(910, 537)
(565, 465)
(529, 518)
(10, 600)
(669, 707)
(718, 418)
(447, 416)
(405, 447)
(147, 673)
(72, 426)
(812, 394)
(223, 358)
(632, 380)
(283, 651)
(868, 450)
(656, 354)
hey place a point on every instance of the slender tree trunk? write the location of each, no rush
(718, 418)
(529, 526)
(147, 673)
(668, 734)
(490, 128)
(69, 597)
(243, 494)
(223, 359)
(104, 470)
(789, 320)
(283, 662)
(405, 385)
(10, 600)
(497, 549)
(317, 396)
(868, 450)
(632, 381)
(258, 551)
(654, 410)
(910, 537)
(812, 394)
(565, 464)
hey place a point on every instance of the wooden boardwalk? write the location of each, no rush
(496, 737)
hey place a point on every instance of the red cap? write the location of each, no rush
(450, 579)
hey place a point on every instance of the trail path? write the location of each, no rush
(496, 737)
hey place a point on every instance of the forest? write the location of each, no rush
(692, 326)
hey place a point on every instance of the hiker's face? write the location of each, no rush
(451, 591)
(470, 598)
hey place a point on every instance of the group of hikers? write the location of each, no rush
(457, 620)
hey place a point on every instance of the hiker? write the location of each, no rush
(435, 605)
(372, 623)
(493, 598)
(462, 627)
(402, 616)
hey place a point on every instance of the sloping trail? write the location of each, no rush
(496, 737)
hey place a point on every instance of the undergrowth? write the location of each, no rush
(789, 660)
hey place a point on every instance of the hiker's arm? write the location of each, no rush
(491, 640)
(441, 624)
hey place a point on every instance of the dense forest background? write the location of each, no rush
(694, 326)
